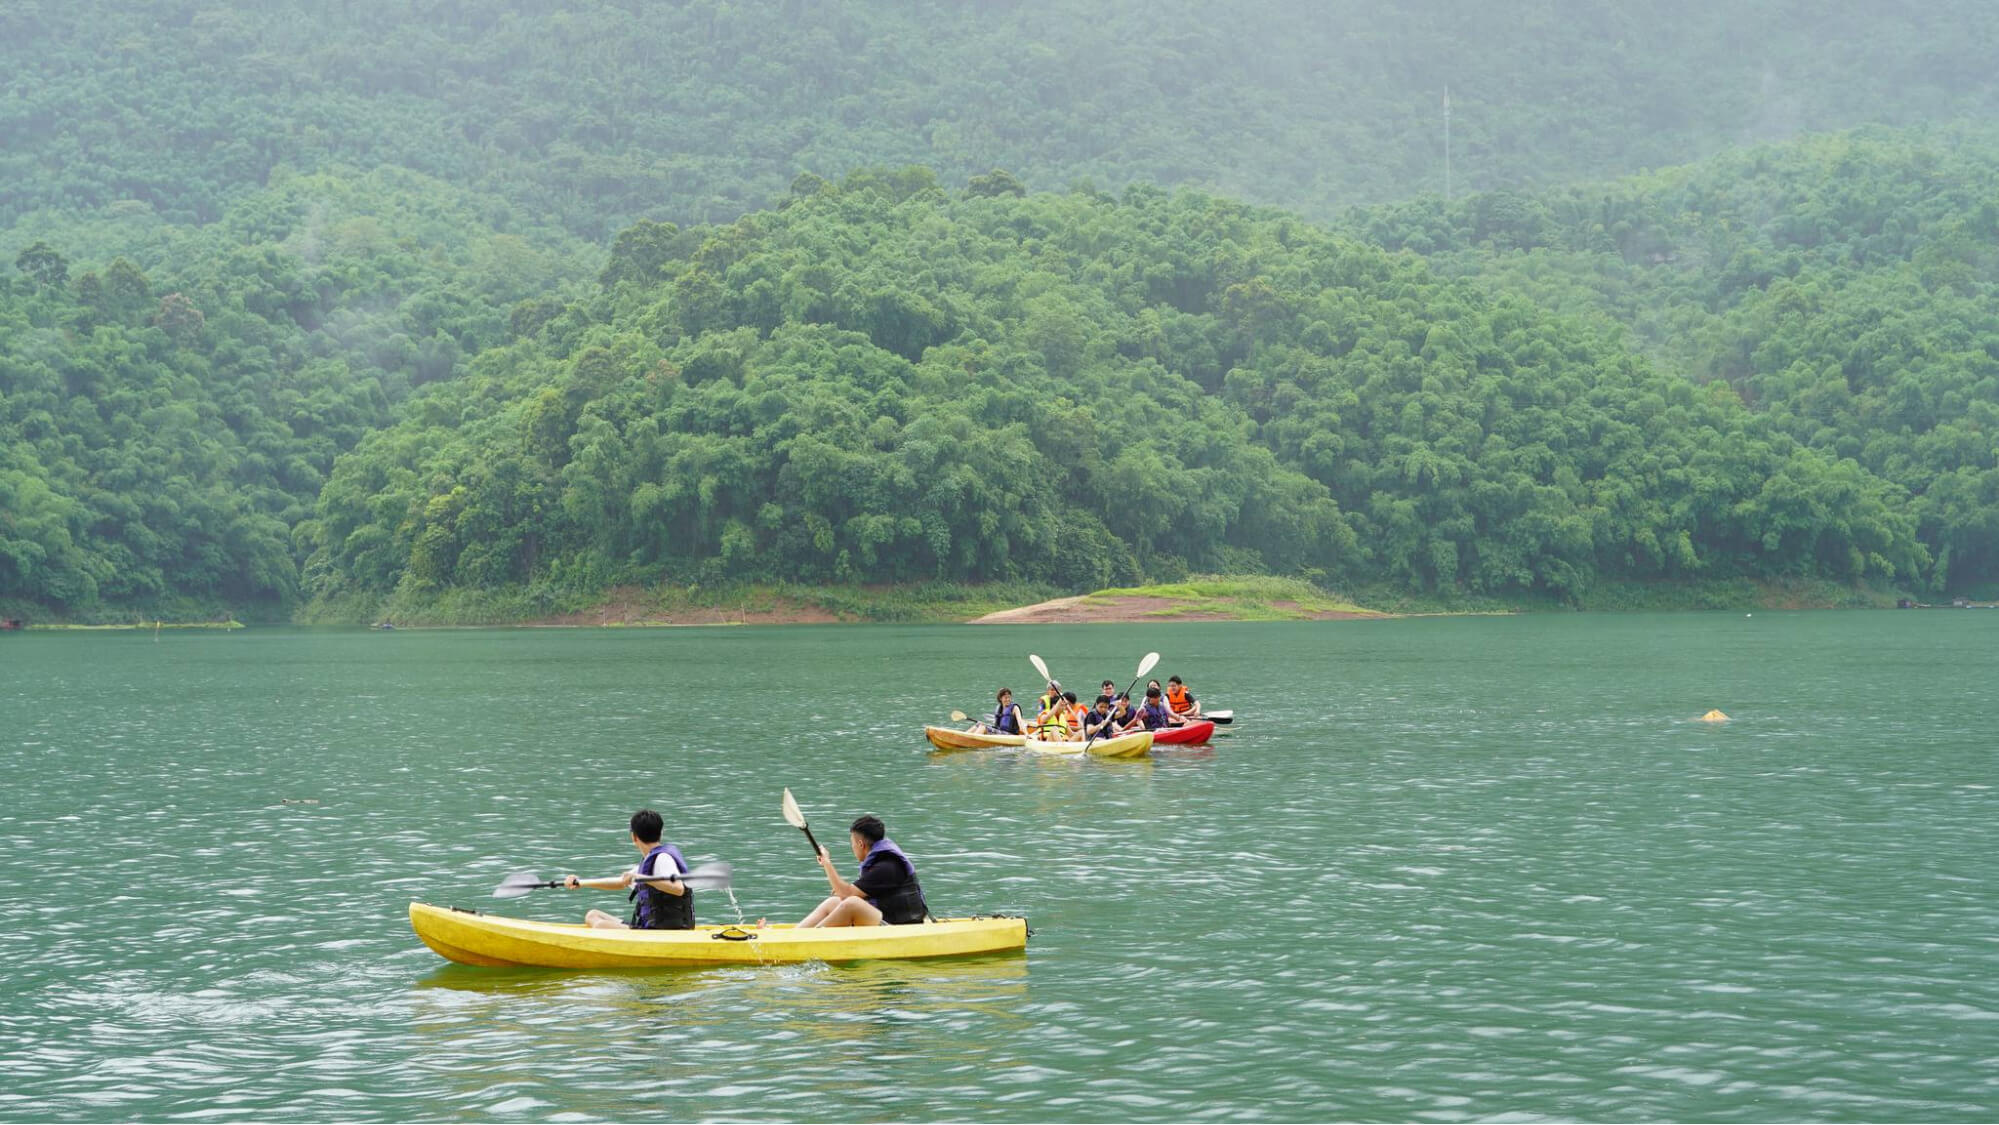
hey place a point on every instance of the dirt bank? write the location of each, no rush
(637, 609)
(1085, 609)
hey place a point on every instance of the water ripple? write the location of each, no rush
(1494, 872)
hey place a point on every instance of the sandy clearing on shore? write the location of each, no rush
(1084, 609)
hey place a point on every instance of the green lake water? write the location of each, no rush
(1440, 869)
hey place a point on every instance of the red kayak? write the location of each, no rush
(1182, 736)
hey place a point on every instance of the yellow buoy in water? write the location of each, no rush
(1714, 717)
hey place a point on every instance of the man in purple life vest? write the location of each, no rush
(661, 902)
(885, 891)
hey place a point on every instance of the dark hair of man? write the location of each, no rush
(1174, 680)
(647, 826)
(1070, 696)
(1152, 693)
(870, 829)
(1122, 697)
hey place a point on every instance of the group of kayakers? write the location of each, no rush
(884, 891)
(1063, 717)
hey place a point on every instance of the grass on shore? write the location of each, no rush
(1238, 598)
(137, 626)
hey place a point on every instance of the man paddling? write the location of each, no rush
(1098, 722)
(1057, 718)
(1156, 715)
(660, 903)
(1181, 700)
(884, 893)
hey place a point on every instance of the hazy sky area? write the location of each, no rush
(596, 112)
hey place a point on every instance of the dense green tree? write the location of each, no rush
(878, 382)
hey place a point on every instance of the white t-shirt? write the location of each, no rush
(662, 864)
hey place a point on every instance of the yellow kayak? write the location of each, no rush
(1133, 745)
(487, 939)
(951, 738)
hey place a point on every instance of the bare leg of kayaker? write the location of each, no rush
(848, 905)
(837, 911)
(598, 920)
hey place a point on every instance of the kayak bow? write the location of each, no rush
(950, 738)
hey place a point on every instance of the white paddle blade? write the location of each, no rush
(791, 813)
(517, 884)
(1145, 665)
(959, 716)
(707, 877)
(1039, 666)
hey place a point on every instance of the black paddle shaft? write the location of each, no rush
(1143, 668)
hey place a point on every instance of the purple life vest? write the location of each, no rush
(654, 909)
(1004, 721)
(905, 903)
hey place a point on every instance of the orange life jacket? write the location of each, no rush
(1178, 699)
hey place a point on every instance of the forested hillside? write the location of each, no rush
(339, 300)
(882, 380)
(1846, 287)
(598, 112)
(167, 418)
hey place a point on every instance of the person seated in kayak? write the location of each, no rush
(1078, 711)
(1056, 722)
(1048, 699)
(1156, 715)
(1005, 718)
(1181, 700)
(884, 893)
(1124, 717)
(1098, 722)
(1109, 692)
(657, 904)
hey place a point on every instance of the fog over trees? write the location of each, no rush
(321, 300)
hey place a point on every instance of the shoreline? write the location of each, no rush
(1199, 599)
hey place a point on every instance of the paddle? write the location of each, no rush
(1039, 666)
(1043, 669)
(797, 820)
(1144, 666)
(707, 877)
(1222, 718)
(959, 716)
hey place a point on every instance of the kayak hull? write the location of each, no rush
(1191, 734)
(492, 941)
(1134, 745)
(950, 738)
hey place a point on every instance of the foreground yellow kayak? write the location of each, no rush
(1133, 745)
(486, 939)
(951, 738)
